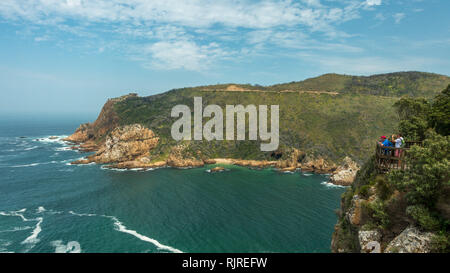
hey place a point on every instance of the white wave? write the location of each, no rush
(31, 148)
(34, 164)
(3, 245)
(71, 247)
(82, 214)
(307, 174)
(40, 209)
(112, 169)
(331, 185)
(120, 227)
(16, 229)
(52, 139)
(137, 169)
(65, 148)
(32, 239)
(27, 165)
(15, 213)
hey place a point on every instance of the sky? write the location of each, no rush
(70, 56)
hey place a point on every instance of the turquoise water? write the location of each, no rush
(48, 205)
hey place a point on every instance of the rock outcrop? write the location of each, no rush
(179, 158)
(106, 121)
(80, 135)
(317, 165)
(345, 174)
(354, 214)
(411, 240)
(217, 169)
(369, 241)
(127, 145)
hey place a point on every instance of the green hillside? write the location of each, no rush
(392, 84)
(331, 126)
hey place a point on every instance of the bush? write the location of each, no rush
(384, 188)
(366, 173)
(428, 172)
(423, 217)
(440, 114)
(364, 190)
(413, 114)
(377, 211)
(440, 243)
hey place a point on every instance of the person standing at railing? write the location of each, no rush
(399, 143)
(385, 143)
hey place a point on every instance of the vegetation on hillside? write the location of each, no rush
(418, 195)
(319, 124)
(393, 84)
(322, 125)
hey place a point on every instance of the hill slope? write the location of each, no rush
(343, 122)
(392, 84)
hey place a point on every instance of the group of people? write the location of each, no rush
(396, 141)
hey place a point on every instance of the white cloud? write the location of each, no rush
(183, 54)
(187, 13)
(398, 17)
(373, 2)
(189, 34)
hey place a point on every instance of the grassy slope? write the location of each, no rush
(392, 84)
(321, 124)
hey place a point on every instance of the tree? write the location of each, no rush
(428, 172)
(440, 112)
(413, 114)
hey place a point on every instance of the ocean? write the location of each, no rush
(48, 205)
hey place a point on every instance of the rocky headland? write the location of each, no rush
(129, 146)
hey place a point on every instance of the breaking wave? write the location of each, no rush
(331, 185)
(119, 226)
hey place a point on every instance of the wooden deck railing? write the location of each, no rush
(390, 158)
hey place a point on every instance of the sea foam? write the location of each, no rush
(119, 226)
(331, 185)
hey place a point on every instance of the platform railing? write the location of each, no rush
(391, 158)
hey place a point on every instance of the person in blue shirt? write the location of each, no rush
(385, 143)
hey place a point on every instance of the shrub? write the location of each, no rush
(364, 190)
(428, 172)
(423, 217)
(384, 187)
(440, 243)
(377, 211)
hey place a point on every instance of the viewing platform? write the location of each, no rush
(391, 158)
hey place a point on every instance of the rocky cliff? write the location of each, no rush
(136, 146)
(320, 122)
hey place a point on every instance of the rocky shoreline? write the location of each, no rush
(128, 147)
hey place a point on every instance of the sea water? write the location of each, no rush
(49, 205)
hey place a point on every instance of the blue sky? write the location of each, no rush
(70, 56)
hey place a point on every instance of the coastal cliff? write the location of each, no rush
(403, 210)
(325, 131)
